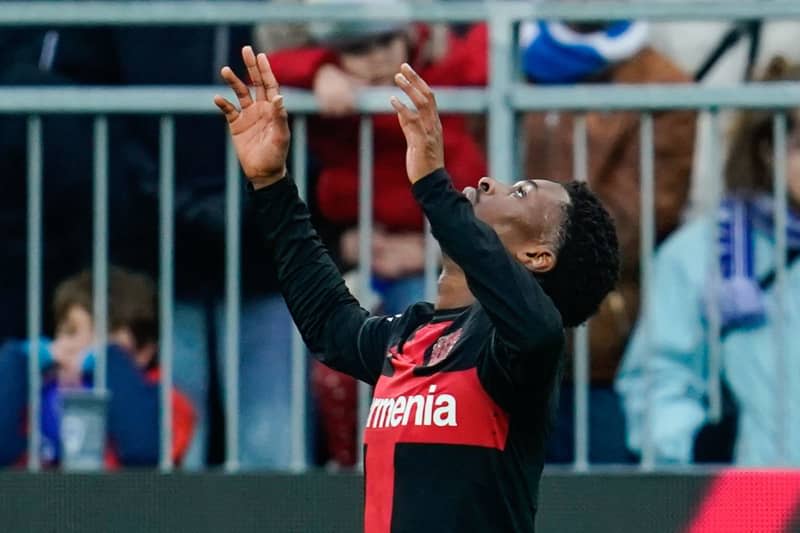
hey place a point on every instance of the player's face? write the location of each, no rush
(524, 215)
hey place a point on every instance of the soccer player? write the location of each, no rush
(464, 387)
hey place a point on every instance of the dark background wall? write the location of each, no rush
(317, 502)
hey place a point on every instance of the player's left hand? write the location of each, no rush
(421, 127)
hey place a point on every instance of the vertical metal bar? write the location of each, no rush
(715, 275)
(100, 264)
(581, 356)
(519, 135)
(232, 259)
(781, 208)
(501, 115)
(647, 242)
(222, 39)
(431, 264)
(34, 287)
(365, 162)
(299, 389)
(166, 286)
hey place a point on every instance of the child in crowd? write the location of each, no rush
(67, 362)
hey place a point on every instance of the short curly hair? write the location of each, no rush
(587, 266)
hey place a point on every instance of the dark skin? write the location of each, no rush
(525, 215)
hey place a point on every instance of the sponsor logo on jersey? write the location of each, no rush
(429, 410)
(443, 347)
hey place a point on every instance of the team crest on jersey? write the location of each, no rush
(443, 347)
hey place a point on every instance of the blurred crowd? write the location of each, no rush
(654, 380)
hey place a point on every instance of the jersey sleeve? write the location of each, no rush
(337, 330)
(528, 337)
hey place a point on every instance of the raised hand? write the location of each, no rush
(260, 128)
(421, 127)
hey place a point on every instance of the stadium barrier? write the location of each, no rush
(622, 502)
(502, 100)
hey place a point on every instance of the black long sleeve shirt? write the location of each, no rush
(455, 433)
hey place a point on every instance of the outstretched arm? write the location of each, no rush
(528, 325)
(331, 321)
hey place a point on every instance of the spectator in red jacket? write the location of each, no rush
(67, 362)
(348, 57)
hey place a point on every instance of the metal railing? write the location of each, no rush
(502, 100)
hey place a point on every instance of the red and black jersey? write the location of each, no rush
(454, 437)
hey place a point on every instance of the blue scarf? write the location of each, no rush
(555, 54)
(739, 296)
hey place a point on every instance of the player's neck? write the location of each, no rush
(453, 289)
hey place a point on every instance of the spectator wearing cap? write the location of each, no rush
(351, 56)
(344, 58)
(556, 53)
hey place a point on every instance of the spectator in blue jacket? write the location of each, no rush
(123, 56)
(67, 363)
(760, 380)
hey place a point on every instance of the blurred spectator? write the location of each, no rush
(67, 363)
(123, 56)
(690, 44)
(66, 192)
(665, 377)
(356, 55)
(348, 57)
(558, 53)
(746, 46)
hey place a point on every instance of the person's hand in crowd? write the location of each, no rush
(395, 255)
(68, 355)
(260, 128)
(348, 247)
(421, 127)
(335, 91)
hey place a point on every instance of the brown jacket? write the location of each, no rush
(613, 147)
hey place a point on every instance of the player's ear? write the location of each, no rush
(538, 258)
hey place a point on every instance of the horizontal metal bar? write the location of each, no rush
(656, 11)
(655, 97)
(215, 13)
(181, 100)
(177, 100)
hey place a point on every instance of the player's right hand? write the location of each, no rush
(260, 128)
